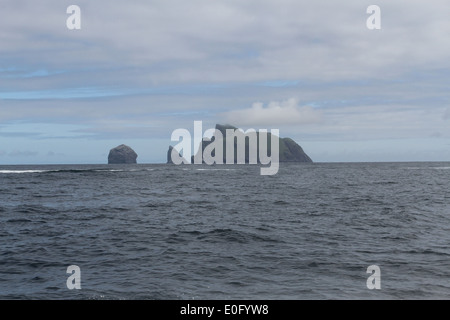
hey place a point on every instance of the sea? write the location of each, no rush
(316, 231)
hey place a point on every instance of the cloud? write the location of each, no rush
(274, 114)
(254, 40)
(382, 121)
(199, 59)
(436, 135)
(446, 114)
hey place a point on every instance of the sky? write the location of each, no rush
(138, 70)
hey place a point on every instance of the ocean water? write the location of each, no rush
(225, 232)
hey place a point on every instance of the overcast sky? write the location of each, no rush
(137, 70)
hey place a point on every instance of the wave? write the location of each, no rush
(22, 171)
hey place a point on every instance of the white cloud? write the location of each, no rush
(228, 40)
(274, 114)
(157, 60)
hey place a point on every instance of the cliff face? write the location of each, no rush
(122, 155)
(289, 150)
(169, 155)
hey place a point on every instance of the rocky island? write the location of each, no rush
(289, 150)
(122, 154)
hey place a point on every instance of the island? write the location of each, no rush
(122, 154)
(289, 150)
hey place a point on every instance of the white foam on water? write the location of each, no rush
(22, 171)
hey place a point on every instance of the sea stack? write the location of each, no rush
(169, 156)
(122, 155)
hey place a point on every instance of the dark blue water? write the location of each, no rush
(225, 232)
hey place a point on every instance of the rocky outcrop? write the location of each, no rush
(122, 155)
(289, 150)
(169, 156)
